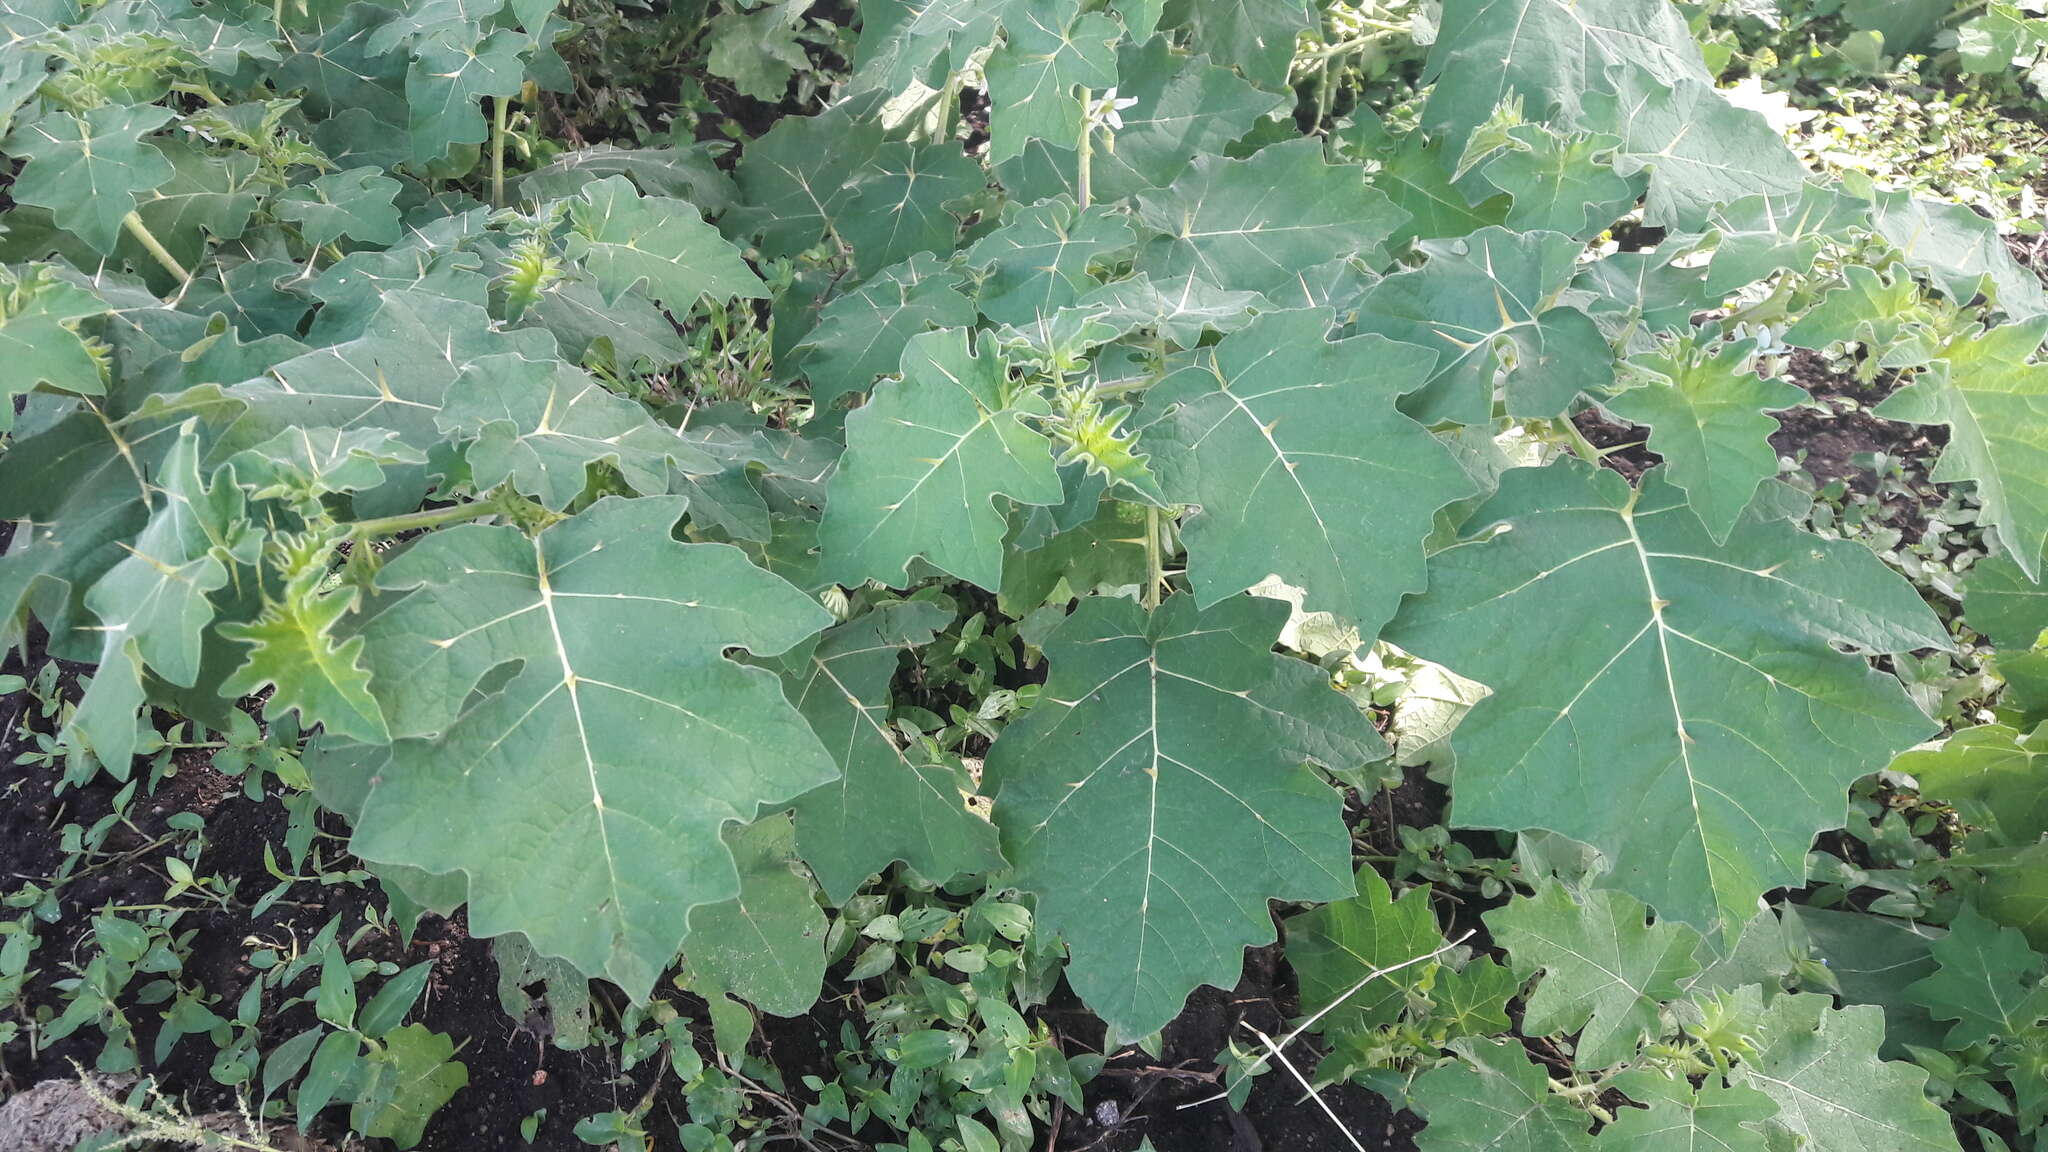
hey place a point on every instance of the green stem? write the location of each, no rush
(1356, 43)
(498, 151)
(1581, 447)
(150, 244)
(950, 102)
(202, 91)
(1155, 559)
(431, 518)
(1081, 186)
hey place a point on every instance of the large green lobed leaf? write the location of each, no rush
(1156, 798)
(1301, 465)
(583, 798)
(926, 460)
(1677, 704)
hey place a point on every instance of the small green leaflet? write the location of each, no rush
(300, 465)
(1183, 108)
(41, 349)
(1413, 174)
(1037, 262)
(1906, 25)
(1562, 182)
(1334, 947)
(926, 459)
(2007, 32)
(1699, 149)
(1706, 412)
(1107, 550)
(208, 198)
(1551, 54)
(1991, 774)
(1961, 251)
(1050, 48)
(1275, 433)
(1179, 309)
(1487, 304)
(1640, 294)
(356, 204)
(1254, 36)
(1833, 1093)
(1473, 1000)
(1605, 973)
(1885, 310)
(153, 604)
(1758, 235)
(626, 239)
(1988, 981)
(1714, 1117)
(1155, 799)
(396, 375)
(2003, 604)
(450, 75)
(678, 172)
(576, 313)
(1495, 1097)
(625, 733)
(412, 1077)
(798, 180)
(90, 172)
(890, 802)
(900, 208)
(1994, 399)
(296, 650)
(78, 485)
(758, 50)
(921, 40)
(565, 994)
(862, 335)
(1252, 225)
(766, 944)
(541, 424)
(1681, 681)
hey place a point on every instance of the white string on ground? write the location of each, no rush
(1326, 1009)
(1274, 1051)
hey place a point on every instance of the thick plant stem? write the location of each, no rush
(431, 518)
(150, 244)
(1081, 175)
(1155, 559)
(498, 151)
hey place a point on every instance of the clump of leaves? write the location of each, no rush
(636, 675)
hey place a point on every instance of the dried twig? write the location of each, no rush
(1309, 1023)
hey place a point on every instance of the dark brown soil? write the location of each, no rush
(510, 1074)
(1629, 457)
(2030, 251)
(1837, 443)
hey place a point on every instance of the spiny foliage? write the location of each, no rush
(304, 413)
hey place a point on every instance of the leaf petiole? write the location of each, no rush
(1155, 560)
(431, 518)
(134, 226)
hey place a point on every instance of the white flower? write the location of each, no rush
(1108, 109)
